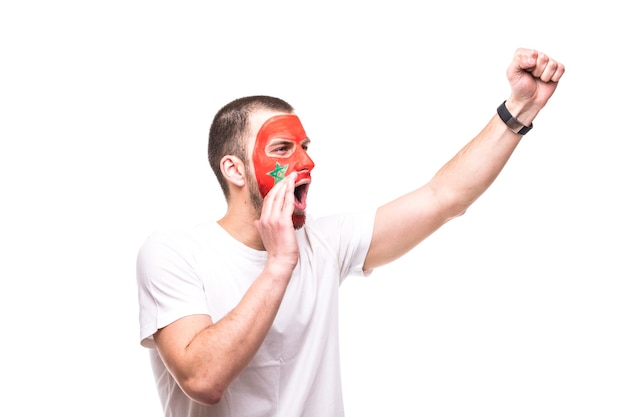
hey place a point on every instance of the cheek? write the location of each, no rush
(265, 181)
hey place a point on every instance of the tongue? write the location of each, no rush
(300, 204)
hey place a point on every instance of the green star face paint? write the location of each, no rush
(279, 150)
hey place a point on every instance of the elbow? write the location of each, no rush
(452, 210)
(212, 398)
(204, 392)
(455, 205)
(449, 203)
(458, 212)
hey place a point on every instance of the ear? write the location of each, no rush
(234, 170)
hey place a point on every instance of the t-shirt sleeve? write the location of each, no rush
(168, 286)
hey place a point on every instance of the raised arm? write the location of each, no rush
(403, 223)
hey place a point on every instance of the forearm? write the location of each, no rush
(217, 353)
(533, 77)
(408, 220)
(474, 168)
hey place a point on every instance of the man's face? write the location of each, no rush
(281, 148)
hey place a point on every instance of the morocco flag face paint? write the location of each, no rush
(280, 149)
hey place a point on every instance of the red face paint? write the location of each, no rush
(279, 150)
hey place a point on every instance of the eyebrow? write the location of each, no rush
(281, 141)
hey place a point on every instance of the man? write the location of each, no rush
(241, 314)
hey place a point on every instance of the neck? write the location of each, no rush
(242, 228)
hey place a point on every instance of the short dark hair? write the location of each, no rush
(229, 130)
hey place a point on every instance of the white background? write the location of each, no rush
(515, 309)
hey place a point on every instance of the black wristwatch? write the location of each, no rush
(512, 123)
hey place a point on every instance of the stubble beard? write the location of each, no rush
(257, 203)
(298, 220)
(255, 195)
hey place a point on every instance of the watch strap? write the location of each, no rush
(512, 123)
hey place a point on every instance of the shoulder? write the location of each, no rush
(181, 241)
(187, 235)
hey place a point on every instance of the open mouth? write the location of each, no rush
(300, 194)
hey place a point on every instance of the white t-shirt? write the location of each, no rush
(203, 270)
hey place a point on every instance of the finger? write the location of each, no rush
(290, 186)
(552, 71)
(526, 59)
(540, 65)
(274, 202)
(541, 61)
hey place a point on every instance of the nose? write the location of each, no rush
(302, 161)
